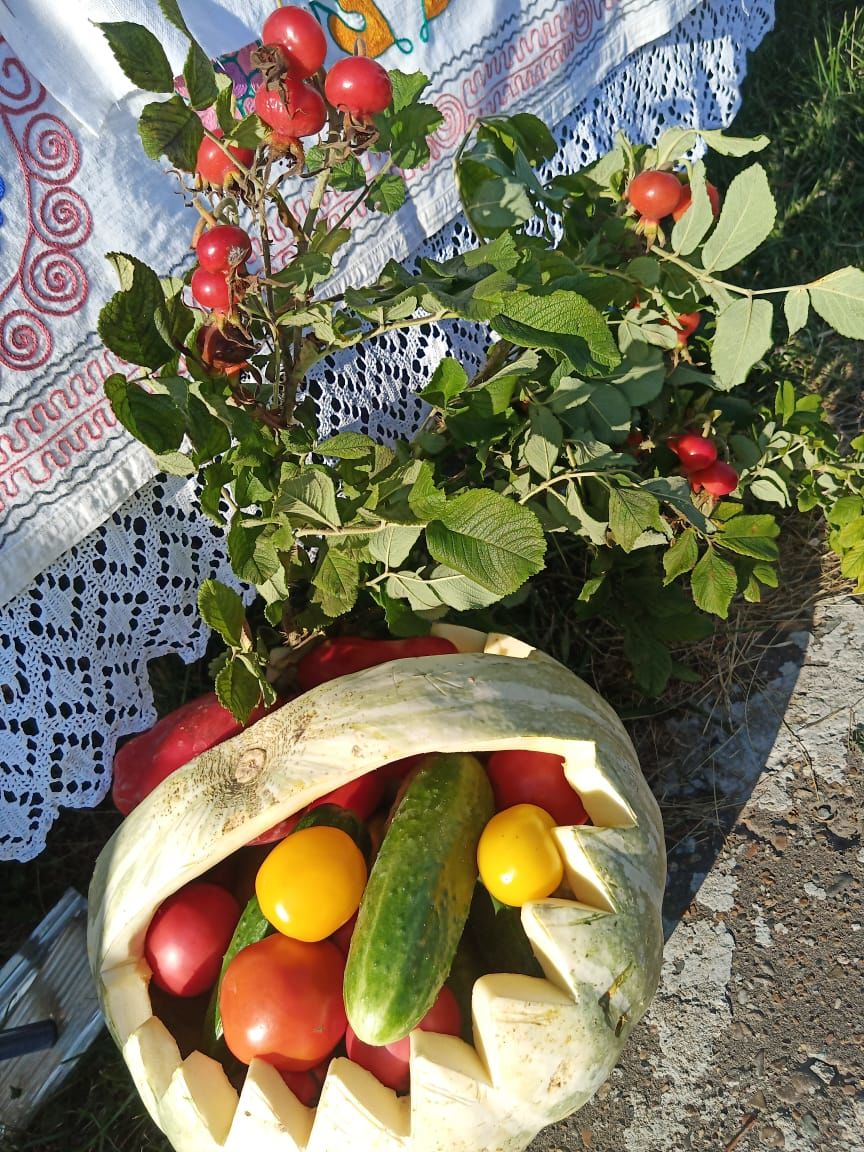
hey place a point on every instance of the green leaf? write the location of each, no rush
(346, 176)
(725, 145)
(448, 380)
(601, 407)
(784, 401)
(248, 132)
(171, 12)
(336, 581)
(846, 510)
(746, 219)
(631, 511)
(225, 104)
(250, 548)
(672, 146)
(127, 322)
(642, 375)
(559, 314)
(492, 540)
(675, 491)
(308, 498)
(442, 588)
(171, 128)
(407, 86)
(388, 193)
(200, 77)
(652, 663)
(392, 545)
(544, 440)
(238, 688)
(151, 418)
(689, 232)
(571, 513)
(347, 446)
(140, 55)
(742, 337)
(425, 499)
(223, 610)
(766, 575)
(751, 536)
(209, 436)
(771, 488)
(682, 556)
(796, 308)
(174, 463)
(714, 583)
(125, 267)
(839, 299)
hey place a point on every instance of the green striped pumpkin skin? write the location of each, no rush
(600, 953)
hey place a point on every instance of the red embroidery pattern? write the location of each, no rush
(49, 280)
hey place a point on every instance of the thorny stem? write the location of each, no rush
(321, 182)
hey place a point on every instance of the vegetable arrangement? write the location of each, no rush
(416, 946)
(615, 331)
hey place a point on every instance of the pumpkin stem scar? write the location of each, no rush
(250, 765)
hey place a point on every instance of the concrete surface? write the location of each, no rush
(756, 1037)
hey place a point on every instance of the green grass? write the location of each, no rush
(806, 92)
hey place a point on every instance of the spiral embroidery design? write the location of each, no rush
(49, 279)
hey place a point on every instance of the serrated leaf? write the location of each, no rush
(689, 232)
(751, 536)
(127, 322)
(766, 575)
(443, 588)
(309, 497)
(651, 661)
(796, 308)
(675, 491)
(174, 463)
(559, 314)
(200, 77)
(238, 689)
(846, 510)
(544, 440)
(492, 540)
(682, 556)
(642, 375)
(839, 299)
(225, 104)
(347, 446)
(672, 146)
(223, 610)
(251, 551)
(248, 132)
(140, 55)
(784, 401)
(346, 176)
(725, 145)
(768, 486)
(407, 86)
(392, 545)
(743, 336)
(336, 581)
(171, 12)
(571, 513)
(714, 583)
(171, 128)
(746, 219)
(448, 380)
(124, 265)
(151, 418)
(631, 511)
(388, 193)
(425, 499)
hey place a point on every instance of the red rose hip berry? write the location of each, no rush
(359, 86)
(210, 290)
(654, 194)
(718, 479)
(687, 199)
(300, 37)
(217, 169)
(694, 452)
(222, 248)
(292, 110)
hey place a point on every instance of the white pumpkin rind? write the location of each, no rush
(544, 1046)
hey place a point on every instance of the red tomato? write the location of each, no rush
(654, 194)
(293, 110)
(362, 796)
(146, 759)
(399, 769)
(687, 199)
(346, 654)
(217, 169)
(718, 478)
(694, 451)
(188, 937)
(359, 86)
(210, 290)
(519, 777)
(390, 1063)
(222, 248)
(300, 37)
(307, 1085)
(278, 831)
(281, 1000)
(342, 936)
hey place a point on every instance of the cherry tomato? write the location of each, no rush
(222, 248)
(361, 796)
(688, 322)
(292, 110)
(517, 857)
(188, 937)
(307, 1085)
(300, 37)
(347, 654)
(311, 883)
(391, 1063)
(217, 169)
(210, 290)
(359, 86)
(694, 451)
(687, 199)
(342, 936)
(281, 1000)
(718, 479)
(520, 777)
(654, 194)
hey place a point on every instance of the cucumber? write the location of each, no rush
(252, 926)
(334, 816)
(497, 932)
(417, 899)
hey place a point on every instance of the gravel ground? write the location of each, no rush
(756, 1037)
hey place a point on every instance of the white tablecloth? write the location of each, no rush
(75, 642)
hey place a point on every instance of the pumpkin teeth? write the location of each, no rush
(543, 1046)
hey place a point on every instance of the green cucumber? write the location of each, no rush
(497, 932)
(252, 926)
(334, 816)
(417, 899)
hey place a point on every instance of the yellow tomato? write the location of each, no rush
(517, 856)
(311, 883)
